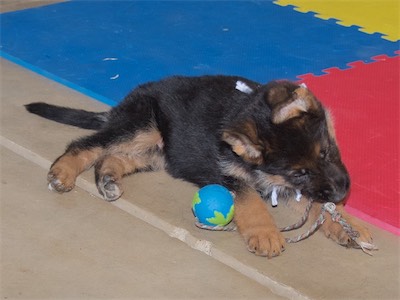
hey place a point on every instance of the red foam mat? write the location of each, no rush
(364, 101)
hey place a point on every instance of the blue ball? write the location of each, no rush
(213, 205)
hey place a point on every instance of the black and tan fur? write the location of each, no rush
(204, 130)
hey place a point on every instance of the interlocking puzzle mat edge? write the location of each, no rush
(370, 16)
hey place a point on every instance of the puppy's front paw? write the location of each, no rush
(365, 234)
(264, 241)
(336, 232)
(256, 225)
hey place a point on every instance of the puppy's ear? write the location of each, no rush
(245, 142)
(288, 101)
(330, 123)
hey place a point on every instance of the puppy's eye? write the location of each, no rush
(301, 173)
(323, 154)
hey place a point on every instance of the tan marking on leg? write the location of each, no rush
(142, 142)
(256, 225)
(142, 152)
(118, 165)
(66, 168)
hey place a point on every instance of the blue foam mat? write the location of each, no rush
(105, 48)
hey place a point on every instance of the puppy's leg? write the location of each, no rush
(79, 156)
(143, 151)
(335, 231)
(67, 167)
(256, 225)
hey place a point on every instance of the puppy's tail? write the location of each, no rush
(70, 116)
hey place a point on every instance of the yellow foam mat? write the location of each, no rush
(373, 16)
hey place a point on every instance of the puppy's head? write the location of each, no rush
(289, 139)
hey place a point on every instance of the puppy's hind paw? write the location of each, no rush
(59, 181)
(109, 188)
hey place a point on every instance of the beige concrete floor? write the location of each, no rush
(12, 5)
(144, 245)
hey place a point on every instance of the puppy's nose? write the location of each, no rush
(342, 188)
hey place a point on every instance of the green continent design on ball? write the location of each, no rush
(196, 200)
(219, 218)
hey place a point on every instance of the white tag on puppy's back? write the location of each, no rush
(243, 87)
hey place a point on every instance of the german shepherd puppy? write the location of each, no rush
(228, 130)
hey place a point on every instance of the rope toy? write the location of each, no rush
(328, 207)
